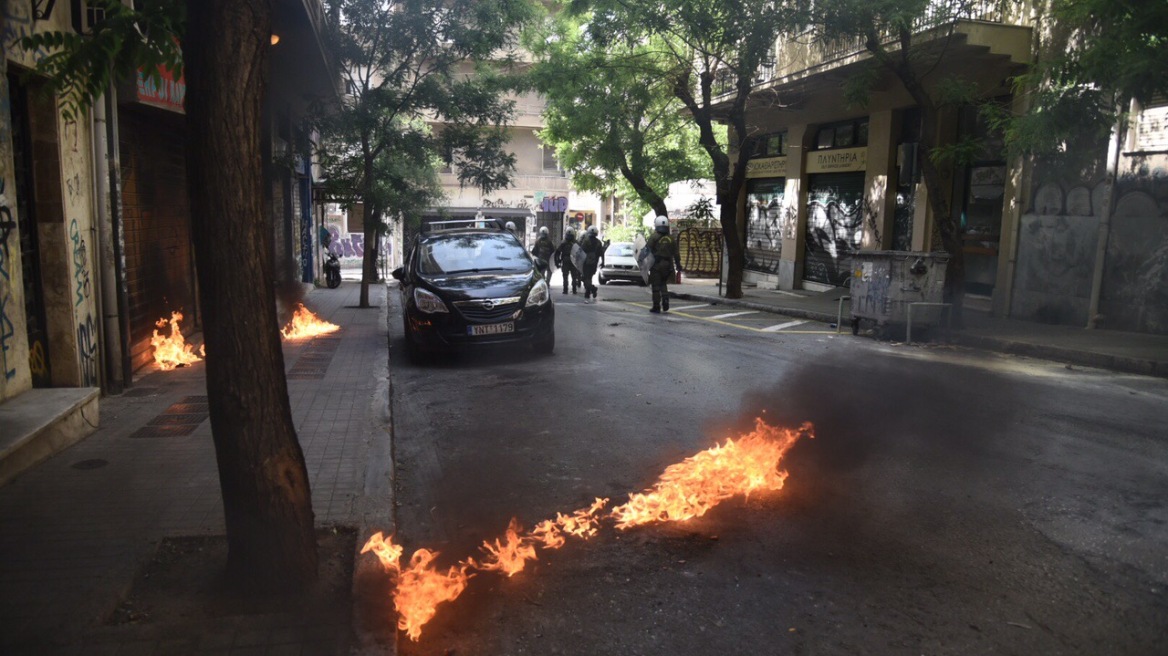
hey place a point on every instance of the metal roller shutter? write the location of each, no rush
(834, 226)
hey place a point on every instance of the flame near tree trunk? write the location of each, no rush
(305, 324)
(685, 490)
(171, 351)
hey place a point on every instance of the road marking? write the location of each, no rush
(698, 317)
(780, 291)
(690, 307)
(776, 328)
(732, 314)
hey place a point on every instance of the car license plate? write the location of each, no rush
(491, 329)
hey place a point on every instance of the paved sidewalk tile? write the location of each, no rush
(75, 529)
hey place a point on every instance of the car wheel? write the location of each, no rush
(603, 280)
(546, 345)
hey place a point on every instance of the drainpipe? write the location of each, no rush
(1113, 151)
(107, 284)
(118, 234)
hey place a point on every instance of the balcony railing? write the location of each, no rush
(937, 14)
(810, 49)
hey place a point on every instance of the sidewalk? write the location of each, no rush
(75, 529)
(1137, 353)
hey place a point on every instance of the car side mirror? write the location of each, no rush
(398, 274)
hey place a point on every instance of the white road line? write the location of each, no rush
(786, 293)
(731, 314)
(776, 328)
(689, 307)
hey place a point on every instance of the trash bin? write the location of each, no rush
(884, 283)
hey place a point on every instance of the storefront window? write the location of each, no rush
(846, 134)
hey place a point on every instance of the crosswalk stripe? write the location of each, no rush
(732, 314)
(776, 328)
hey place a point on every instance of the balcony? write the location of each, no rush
(980, 27)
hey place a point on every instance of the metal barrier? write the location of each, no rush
(839, 313)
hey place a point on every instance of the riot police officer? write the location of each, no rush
(543, 251)
(563, 257)
(666, 260)
(593, 258)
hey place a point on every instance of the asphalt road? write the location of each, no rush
(952, 502)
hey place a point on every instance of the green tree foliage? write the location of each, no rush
(80, 67)
(1101, 55)
(709, 55)
(409, 64)
(613, 132)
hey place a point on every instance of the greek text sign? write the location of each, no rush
(767, 167)
(844, 159)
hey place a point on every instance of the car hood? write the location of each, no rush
(469, 286)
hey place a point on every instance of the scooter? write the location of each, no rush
(332, 271)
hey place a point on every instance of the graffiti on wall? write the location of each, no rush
(352, 245)
(18, 23)
(765, 223)
(554, 204)
(7, 328)
(834, 232)
(87, 351)
(80, 264)
(38, 364)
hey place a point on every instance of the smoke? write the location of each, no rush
(289, 295)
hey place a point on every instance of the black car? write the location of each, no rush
(462, 287)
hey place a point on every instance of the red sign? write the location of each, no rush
(165, 92)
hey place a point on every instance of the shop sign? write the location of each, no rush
(163, 91)
(767, 167)
(841, 160)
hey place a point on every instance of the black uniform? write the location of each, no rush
(593, 257)
(564, 261)
(543, 251)
(666, 261)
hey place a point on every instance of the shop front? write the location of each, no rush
(766, 220)
(835, 216)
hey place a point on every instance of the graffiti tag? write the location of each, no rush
(87, 346)
(7, 329)
(37, 363)
(80, 263)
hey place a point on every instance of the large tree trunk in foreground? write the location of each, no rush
(266, 499)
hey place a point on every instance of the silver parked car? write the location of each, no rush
(620, 263)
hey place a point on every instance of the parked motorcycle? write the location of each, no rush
(332, 271)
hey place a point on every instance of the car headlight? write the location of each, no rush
(539, 294)
(428, 302)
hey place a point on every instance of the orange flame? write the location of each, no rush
(693, 486)
(420, 588)
(172, 351)
(306, 324)
(509, 556)
(684, 491)
(388, 552)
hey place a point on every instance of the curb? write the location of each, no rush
(1116, 363)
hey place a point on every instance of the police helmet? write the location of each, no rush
(592, 230)
(510, 226)
(661, 221)
(543, 231)
(569, 234)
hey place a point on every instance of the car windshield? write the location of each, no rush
(619, 250)
(471, 254)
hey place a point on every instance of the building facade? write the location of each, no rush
(95, 222)
(829, 179)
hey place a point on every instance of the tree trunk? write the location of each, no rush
(728, 217)
(370, 216)
(266, 499)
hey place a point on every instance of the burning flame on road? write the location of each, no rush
(305, 324)
(171, 351)
(685, 490)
